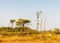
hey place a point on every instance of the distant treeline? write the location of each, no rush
(24, 30)
(9, 31)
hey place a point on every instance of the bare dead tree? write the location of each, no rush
(38, 15)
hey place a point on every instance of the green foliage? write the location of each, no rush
(57, 30)
(12, 21)
(22, 22)
(20, 31)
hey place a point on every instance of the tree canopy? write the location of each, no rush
(12, 21)
(22, 22)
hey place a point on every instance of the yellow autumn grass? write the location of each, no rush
(35, 38)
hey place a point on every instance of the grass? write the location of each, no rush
(14, 35)
(34, 38)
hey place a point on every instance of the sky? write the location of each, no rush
(14, 9)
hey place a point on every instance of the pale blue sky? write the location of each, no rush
(27, 9)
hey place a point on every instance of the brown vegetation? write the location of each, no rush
(23, 34)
